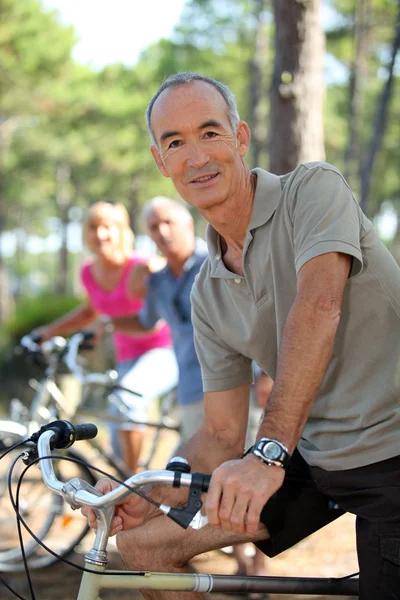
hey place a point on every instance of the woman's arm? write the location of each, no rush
(72, 321)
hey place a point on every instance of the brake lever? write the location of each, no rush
(189, 513)
(198, 521)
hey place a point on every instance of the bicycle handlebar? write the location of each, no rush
(78, 493)
(69, 349)
(32, 344)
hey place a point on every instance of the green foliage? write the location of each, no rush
(34, 312)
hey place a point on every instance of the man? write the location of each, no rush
(170, 226)
(297, 280)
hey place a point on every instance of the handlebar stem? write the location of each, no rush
(98, 553)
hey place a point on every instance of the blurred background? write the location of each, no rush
(314, 80)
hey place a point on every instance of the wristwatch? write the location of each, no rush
(271, 452)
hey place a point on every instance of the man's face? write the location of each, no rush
(197, 148)
(171, 230)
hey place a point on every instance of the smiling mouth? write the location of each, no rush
(205, 178)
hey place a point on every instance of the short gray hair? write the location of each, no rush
(174, 205)
(183, 78)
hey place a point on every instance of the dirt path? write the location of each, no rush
(329, 552)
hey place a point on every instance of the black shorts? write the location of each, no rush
(309, 499)
(296, 510)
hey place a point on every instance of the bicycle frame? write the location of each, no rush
(93, 583)
(79, 493)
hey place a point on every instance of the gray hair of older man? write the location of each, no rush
(184, 78)
(173, 205)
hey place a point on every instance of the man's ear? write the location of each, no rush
(158, 160)
(243, 136)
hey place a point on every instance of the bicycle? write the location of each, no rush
(49, 403)
(78, 493)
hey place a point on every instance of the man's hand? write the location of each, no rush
(130, 513)
(238, 491)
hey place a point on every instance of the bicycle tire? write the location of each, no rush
(60, 528)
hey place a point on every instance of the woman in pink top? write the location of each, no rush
(114, 289)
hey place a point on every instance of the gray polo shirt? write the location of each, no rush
(355, 420)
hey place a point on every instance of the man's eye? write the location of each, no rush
(175, 144)
(210, 134)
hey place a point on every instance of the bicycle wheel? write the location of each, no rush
(50, 519)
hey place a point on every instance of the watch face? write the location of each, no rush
(272, 451)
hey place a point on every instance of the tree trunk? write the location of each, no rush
(358, 73)
(256, 67)
(63, 204)
(296, 117)
(380, 120)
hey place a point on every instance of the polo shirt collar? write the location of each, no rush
(266, 199)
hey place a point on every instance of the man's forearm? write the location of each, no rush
(205, 451)
(304, 356)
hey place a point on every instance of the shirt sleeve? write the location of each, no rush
(325, 216)
(222, 367)
(149, 315)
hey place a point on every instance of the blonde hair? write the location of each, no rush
(117, 212)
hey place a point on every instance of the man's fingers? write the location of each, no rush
(212, 502)
(103, 485)
(253, 514)
(90, 515)
(238, 516)
(116, 526)
(227, 502)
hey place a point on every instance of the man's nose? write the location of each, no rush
(163, 229)
(197, 156)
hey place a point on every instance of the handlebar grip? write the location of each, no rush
(86, 431)
(65, 433)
